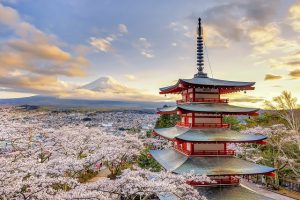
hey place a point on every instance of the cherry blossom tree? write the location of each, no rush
(281, 151)
(43, 161)
(286, 107)
(142, 184)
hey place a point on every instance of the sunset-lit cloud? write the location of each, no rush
(267, 38)
(105, 44)
(272, 77)
(102, 44)
(295, 73)
(32, 60)
(294, 15)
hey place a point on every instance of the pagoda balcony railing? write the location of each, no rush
(203, 125)
(202, 100)
(206, 152)
(222, 181)
(214, 152)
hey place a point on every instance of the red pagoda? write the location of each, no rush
(201, 137)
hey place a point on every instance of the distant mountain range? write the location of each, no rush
(54, 101)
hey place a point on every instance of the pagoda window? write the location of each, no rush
(189, 147)
(191, 96)
(182, 119)
(207, 90)
(209, 120)
(208, 147)
(206, 96)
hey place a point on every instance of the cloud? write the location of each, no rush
(247, 99)
(102, 44)
(294, 63)
(295, 73)
(266, 39)
(105, 44)
(183, 28)
(31, 60)
(230, 18)
(272, 77)
(294, 15)
(244, 99)
(289, 59)
(39, 50)
(213, 38)
(123, 28)
(130, 77)
(144, 47)
(37, 84)
(109, 88)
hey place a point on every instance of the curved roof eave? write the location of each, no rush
(209, 108)
(176, 162)
(207, 82)
(207, 135)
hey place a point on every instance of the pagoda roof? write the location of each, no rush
(179, 163)
(209, 108)
(206, 82)
(207, 135)
(224, 193)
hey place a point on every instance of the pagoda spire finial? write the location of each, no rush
(200, 59)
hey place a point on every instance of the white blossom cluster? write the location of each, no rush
(46, 161)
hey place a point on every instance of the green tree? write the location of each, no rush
(166, 121)
(234, 122)
(265, 119)
(146, 161)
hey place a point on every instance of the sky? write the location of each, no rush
(128, 49)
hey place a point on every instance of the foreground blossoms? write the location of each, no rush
(40, 162)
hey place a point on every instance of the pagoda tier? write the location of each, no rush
(179, 163)
(209, 108)
(205, 82)
(208, 135)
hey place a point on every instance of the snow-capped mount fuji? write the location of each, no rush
(105, 84)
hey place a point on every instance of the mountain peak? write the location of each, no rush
(106, 83)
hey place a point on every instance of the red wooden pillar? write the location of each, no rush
(192, 148)
(193, 119)
(184, 146)
(221, 120)
(194, 94)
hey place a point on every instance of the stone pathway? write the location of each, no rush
(256, 188)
